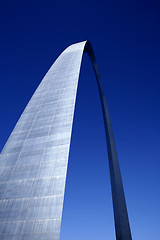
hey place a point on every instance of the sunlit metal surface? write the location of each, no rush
(35, 157)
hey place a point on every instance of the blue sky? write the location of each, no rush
(125, 36)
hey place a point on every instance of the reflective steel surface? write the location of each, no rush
(33, 163)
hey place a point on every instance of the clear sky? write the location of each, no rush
(125, 36)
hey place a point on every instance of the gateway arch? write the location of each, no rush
(33, 162)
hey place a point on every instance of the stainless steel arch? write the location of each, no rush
(35, 157)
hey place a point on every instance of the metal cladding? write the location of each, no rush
(34, 160)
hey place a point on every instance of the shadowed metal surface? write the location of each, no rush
(34, 160)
